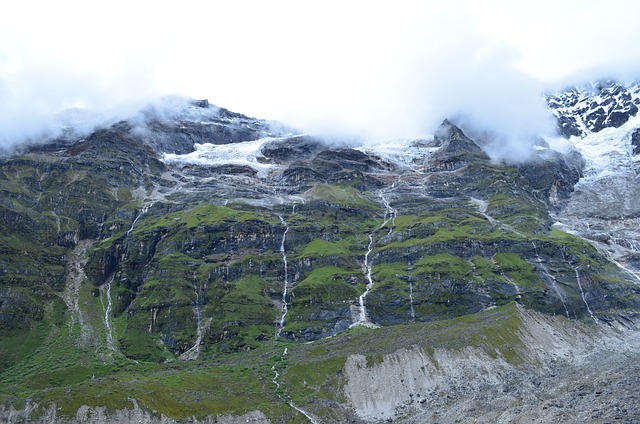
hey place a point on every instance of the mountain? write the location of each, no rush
(604, 206)
(192, 263)
(589, 108)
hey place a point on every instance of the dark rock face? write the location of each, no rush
(292, 149)
(554, 175)
(456, 149)
(178, 126)
(635, 141)
(593, 107)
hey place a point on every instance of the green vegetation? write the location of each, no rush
(240, 382)
(445, 276)
(343, 196)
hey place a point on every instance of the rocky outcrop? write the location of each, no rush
(292, 149)
(553, 175)
(176, 126)
(593, 107)
(635, 141)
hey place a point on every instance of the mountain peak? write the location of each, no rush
(589, 108)
(454, 142)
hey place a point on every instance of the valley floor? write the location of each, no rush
(503, 365)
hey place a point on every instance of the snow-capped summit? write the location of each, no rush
(591, 107)
(601, 122)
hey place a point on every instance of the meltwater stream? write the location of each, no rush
(107, 313)
(389, 216)
(143, 211)
(201, 325)
(483, 206)
(584, 299)
(285, 284)
(551, 278)
(363, 318)
(276, 376)
(389, 213)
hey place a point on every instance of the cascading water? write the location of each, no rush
(584, 299)
(201, 325)
(633, 245)
(154, 317)
(276, 376)
(482, 207)
(389, 213)
(285, 284)
(143, 211)
(362, 317)
(550, 278)
(604, 251)
(412, 311)
(107, 313)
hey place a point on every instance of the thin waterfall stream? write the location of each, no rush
(201, 325)
(362, 317)
(276, 376)
(107, 312)
(285, 284)
(584, 299)
(551, 278)
(605, 252)
(412, 311)
(143, 211)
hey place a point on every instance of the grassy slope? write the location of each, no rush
(241, 382)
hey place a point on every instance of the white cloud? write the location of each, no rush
(373, 69)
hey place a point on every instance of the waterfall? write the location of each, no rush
(389, 213)
(107, 312)
(154, 317)
(389, 216)
(517, 287)
(584, 299)
(362, 317)
(630, 244)
(604, 252)
(551, 278)
(411, 309)
(194, 351)
(286, 281)
(482, 207)
(276, 376)
(144, 210)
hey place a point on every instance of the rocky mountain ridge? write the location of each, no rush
(591, 107)
(191, 240)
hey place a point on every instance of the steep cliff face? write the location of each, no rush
(589, 108)
(603, 206)
(191, 233)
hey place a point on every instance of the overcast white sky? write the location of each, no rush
(377, 69)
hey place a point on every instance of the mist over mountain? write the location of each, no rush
(359, 71)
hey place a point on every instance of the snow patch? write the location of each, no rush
(245, 153)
